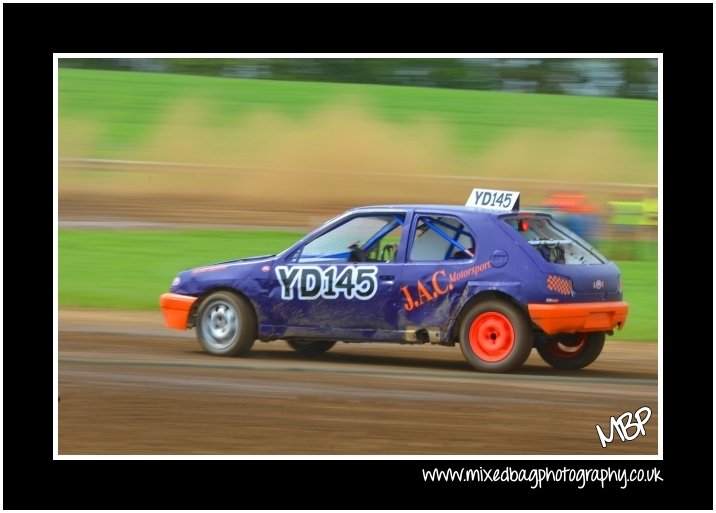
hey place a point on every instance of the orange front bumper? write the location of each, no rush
(578, 317)
(176, 308)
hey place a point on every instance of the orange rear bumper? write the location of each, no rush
(577, 317)
(176, 308)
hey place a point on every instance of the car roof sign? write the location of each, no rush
(490, 199)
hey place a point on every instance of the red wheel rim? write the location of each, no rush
(565, 351)
(491, 336)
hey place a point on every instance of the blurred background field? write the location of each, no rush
(208, 153)
(117, 114)
(267, 146)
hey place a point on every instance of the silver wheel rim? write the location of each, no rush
(574, 348)
(219, 324)
(569, 349)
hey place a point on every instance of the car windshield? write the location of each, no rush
(555, 242)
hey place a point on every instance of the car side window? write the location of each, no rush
(366, 238)
(441, 238)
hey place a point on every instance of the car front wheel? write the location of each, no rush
(495, 336)
(226, 325)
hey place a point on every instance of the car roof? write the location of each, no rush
(443, 209)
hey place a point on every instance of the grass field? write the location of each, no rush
(130, 269)
(127, 105)
(135, 115)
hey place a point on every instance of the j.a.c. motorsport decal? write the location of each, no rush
(313, 282)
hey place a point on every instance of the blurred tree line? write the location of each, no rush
(626, 78)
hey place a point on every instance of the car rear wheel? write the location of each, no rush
(572, 351)
(495, 336)
(226, 325)
(311, 347)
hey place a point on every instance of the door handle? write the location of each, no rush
(387, 280)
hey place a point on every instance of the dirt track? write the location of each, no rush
(128, 386)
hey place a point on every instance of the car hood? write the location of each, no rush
(237, 261)
(231, 272)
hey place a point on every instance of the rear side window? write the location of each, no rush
(555, 242)
(441, 238)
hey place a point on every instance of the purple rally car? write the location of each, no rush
(494, 279)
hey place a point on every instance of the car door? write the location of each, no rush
(441, 251)
(343, 282)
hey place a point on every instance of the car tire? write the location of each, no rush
(311, 347)
(495, 336)
(572, 351)
(226, 324)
